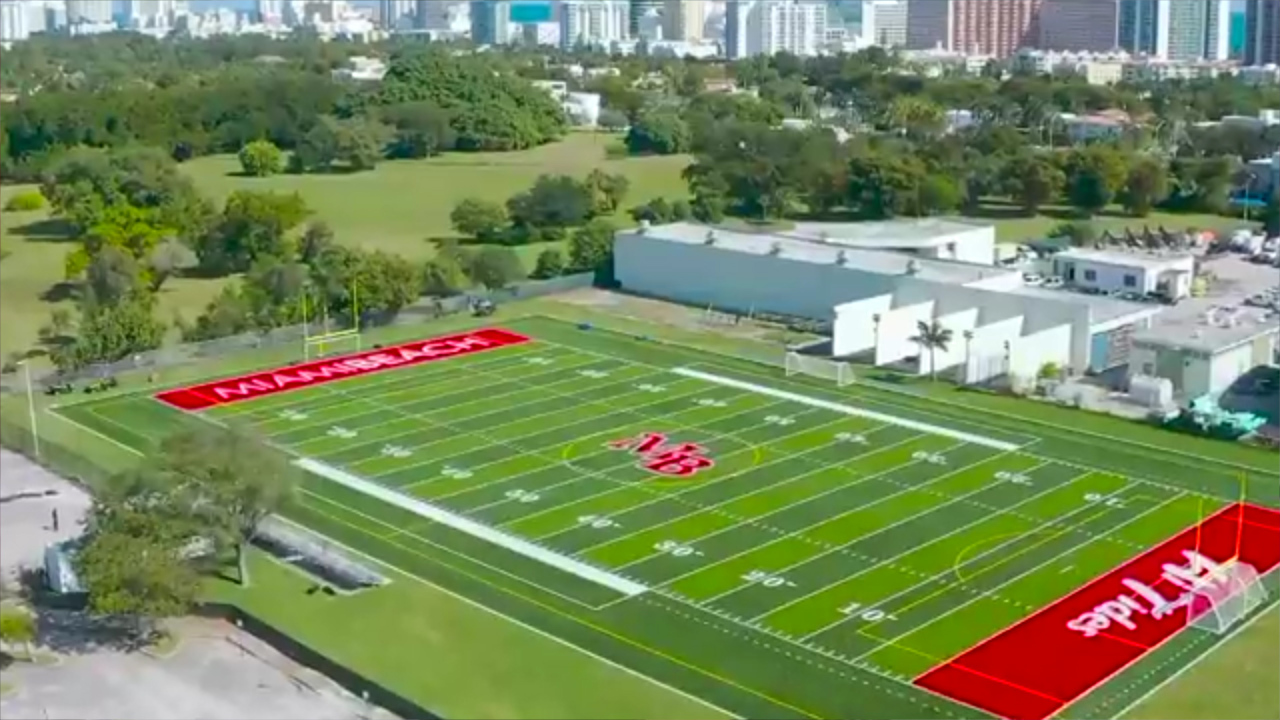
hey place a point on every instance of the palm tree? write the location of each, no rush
(968, 354)
(932, 337)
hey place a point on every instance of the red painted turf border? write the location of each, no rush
(1035, 667)
(296, 377)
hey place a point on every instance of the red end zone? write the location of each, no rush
(1035, 667)
(247, 387)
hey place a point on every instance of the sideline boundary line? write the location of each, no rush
(475, 529)
(848, 409)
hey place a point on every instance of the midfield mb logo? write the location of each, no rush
(656, 454)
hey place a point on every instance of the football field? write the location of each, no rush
(771, 545)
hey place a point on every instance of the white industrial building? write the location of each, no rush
(1204, 354)
(875, 281)
(1169, 276)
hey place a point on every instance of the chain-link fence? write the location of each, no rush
(179, 354)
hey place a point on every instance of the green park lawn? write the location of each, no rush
(398, 207)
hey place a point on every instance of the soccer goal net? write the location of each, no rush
(840, 372)
(316, 346)
(1225, 596)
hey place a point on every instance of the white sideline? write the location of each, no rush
(848, 409)
(431, 512)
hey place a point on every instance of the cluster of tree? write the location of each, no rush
(137, 221)
(187, 510)
(554, 208)
(430, 101)
(753, 169)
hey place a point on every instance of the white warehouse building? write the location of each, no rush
(875, 281)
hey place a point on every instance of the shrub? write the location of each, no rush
(25, 202)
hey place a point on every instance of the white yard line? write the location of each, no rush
(659, 495)
(806, 528)
(437, 458)
(849, 410)
(743, 521)
(475, 529)
(419, 398)
(1057, 522)
(891, 560)
(629, 461)
(842, 548)
(1019, 576)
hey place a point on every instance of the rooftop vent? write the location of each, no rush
(842, 258)
(913, 267)
(644, 227)
(775, 248)
(710, 239)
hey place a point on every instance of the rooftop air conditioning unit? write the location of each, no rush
(710, 239)
(644, 227)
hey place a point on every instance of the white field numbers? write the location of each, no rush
(597, 522)
(522, 496)
(292, 415)
(341, 432)
(1013, 477)
(676, 549)
(862, 612)
(928, 457)
(1104, 500)
(767, 579)
(396, 451)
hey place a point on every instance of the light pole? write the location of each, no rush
(31, 407)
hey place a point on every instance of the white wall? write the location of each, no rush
(1225, 367)
(897, 327)
(1111, 276)
(704, 274)
(1030, 352)
(986, 351)
(958, 323)
(975, 246)
(1001, 281)
(854, 330)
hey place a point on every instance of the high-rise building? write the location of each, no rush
(490, 22)
(986, 27)
(1079, 25)
(595, 23)
(13, 21)
(640, 8)
(391, 13)
(767, 27)
(884, 22)
(1262, 32)
(89, 11)
(1175, 29)
(270, 12)
(685, 19)
(153, 13)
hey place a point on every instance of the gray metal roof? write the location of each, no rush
(1185, 327)
(812, 251)
(1101, 307)
(921, 233)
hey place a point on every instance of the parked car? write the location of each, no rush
(1053, 282)
(1032, 279)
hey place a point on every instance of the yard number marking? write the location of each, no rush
(340, 432)
(767, 579)
(1013, 477)
(870, 614)
(651, 388)
(597, 522)
(928, 457)
(782, 420)
(676, 549)
(1108, 501)
(711, 402)
(594, 374)
(396, 451)
(456, 473)
(293, 415)
(540, 361)
(523, 496)
(848, 437)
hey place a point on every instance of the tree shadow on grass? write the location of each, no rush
(53, 230)
(61, 292)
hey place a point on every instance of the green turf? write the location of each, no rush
(764, 567)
